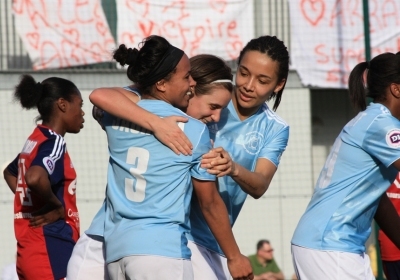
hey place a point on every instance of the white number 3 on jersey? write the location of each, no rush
(135, 189)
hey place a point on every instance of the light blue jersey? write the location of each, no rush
(263, 135)
(356, 173)
(149, 187)
(96, 228)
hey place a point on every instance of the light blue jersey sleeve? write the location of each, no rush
(275, 148)
(382, 140)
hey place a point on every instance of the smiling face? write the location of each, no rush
(177, 87)
(74, 114)
(256, 80)
(207, 107)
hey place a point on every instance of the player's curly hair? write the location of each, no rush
(43, 95)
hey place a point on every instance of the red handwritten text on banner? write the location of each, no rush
(330, 35)
(63, 33)
(216, 27)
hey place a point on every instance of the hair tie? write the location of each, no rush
(132, 56)
(222, 81)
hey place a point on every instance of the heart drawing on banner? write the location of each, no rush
(234, 48)
(313, 10)
(33, 39)
(219, 6)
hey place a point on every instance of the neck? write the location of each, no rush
(56, 127)
(261, 260)
(243, 113)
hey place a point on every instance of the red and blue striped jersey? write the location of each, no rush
(53, 242)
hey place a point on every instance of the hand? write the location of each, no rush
(48, 214)
(168, 132)
(240, 268)
(218, 162)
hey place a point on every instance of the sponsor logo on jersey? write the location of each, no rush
(22, 215)
(73, 214)
(49, 164)
(29, 146)
(393, 138)
(72, 187)
(252, 142)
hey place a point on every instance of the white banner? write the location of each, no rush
(63, 33)
(327, 37)
(214, 27)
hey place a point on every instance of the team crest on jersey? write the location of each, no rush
(252, 142)
(213, 128)
(49, 164)
(393, 138)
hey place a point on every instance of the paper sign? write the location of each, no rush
(327, 37)
(63, 33)
(214, 27)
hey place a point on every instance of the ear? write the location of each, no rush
(161, 85)
(280, 85)
(395, 90)
(62, 104)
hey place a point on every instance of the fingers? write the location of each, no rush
(174, 149)
(37, 222)
(180, 147)
(169, 133)
(185, 147)
(178, 119)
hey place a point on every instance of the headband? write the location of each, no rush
(222, 81)
(170, 59)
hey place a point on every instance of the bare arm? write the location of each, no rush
(254, 183)
(388, 220)
(11, 180)
(122, 104)
(216, 216)
(38, 182)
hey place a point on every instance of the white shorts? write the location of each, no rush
(310, 264)
(207, 264)
(149, 268)
(88, 259)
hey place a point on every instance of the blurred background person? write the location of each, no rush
(263, 262)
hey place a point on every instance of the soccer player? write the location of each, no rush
(153, 213)
(254, 138)
(44, 180)
(210, 95)
(390, 253)
(329, 240)
(251, 138)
